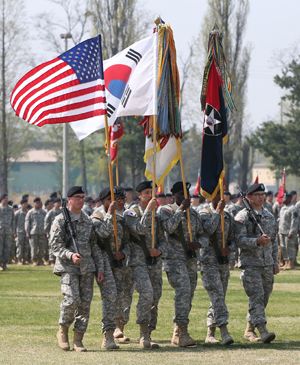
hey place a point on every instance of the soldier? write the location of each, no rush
(258, 259)
(267, 204)
(145, 262)
(129, 198)
(54, 212)
(180, 259)
(34, 227)
(169, 198)
(234, 198)
(120, 276)
(7, 228)
(161, 199)
(297, 205)
(48, 205)
(77, 271)
(239, 205)
(87, 208)
(294, 201)
(98, 202)
(53, 195)
(20, 234)
(195, 201)
(215, 267)
(294, 196)
(288, 227)
(276, 210)
(230, 207)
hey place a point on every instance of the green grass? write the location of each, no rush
(30, 299)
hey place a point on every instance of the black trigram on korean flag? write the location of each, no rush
(134, 55)
(110, 110)
(126, 96)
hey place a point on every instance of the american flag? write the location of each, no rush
(67, 89)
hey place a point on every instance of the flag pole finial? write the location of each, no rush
(157, 20)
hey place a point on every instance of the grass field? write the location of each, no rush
(30, 299)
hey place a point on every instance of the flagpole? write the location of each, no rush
(185, 190)
(117, 171)
(222, 213)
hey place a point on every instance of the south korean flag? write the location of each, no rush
(212, 121)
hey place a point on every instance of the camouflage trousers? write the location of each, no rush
(125, 290)
(182, 276)
(215, 281)
(108, 292)
(288, 247)
(37, 246)
(13, 248)
(148, 283)
(22, 244)
(78, 293)
(5, 242)
(258, 284)
(50, 252)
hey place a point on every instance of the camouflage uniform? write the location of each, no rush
(129, 205)
(181, 271)
(76, 279)
(87, 209)
(288, 224)
(7, 228)
(276, 212)
(268, 206)
(239, 207)
(231, 208)
(50, 216)
(22, 239)
(147, 278)
(201, 206)
(297, 205)
(104, 228)
(34, 227)
(256, 262)
(215, 276)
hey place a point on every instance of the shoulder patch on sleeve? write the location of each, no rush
(131, 214)
(27, 215)
(167, 209)
(204, 211)
(240, 219)
(98, 216)
(54, 228)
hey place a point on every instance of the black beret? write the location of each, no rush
(288, 195)
(75, 190)
(276, 194)
(37, 199)
(293, 192)
(29, 206)
(97, 199)
(56, 200)
(25, 196)
(234, 196)
(88, 198)
(169, 195)
(15, 206)
(144, 185)
(196, 196)
(161, 195)
(270, 192)
(47, 202)
(135, 197)
(10, 202)
(178, 186)
(120, 190)
(227, 193)
(23, 201)
(254, 188)
(104, 193)
(129, 188)
(53, 195)
(2, 196)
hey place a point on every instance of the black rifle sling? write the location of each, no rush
(180, 237)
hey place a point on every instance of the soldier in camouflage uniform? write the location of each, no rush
(77, 271)
(276, 211)
(258, 259)
(294, 201)
(115, 313)
(145, 262)
(7, 228)
(215, 267)
(230, 207)
(87, 208)
(20, 234)
(34, 227)
(54, 212)
(288, 228)
(180, 258)
(297, 205)
(129, 198)
(267, 205)
(239, 205)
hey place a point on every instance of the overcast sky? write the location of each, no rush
(272, 25)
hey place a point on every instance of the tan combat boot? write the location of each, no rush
(226, 338)
(266, 337)
(77, 342)
(108, 342)
(175, 338)
(231, 266)
(35, 262)
(118, 334)
(184, 338)
(250, 334)
(20, 261)
(290, 265)
(153, 344)
(41, 262)
(144, 336)
(63, 338)
(210, 337)
(52, 263)
(1, 266)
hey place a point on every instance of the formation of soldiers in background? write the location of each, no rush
(31, 235)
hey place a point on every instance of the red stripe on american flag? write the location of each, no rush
(32, 72)
(37, 80)
(74, 118)
(69, 107)
(63, 97)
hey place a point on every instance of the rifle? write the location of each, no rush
(253, 217)
(69, 226)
